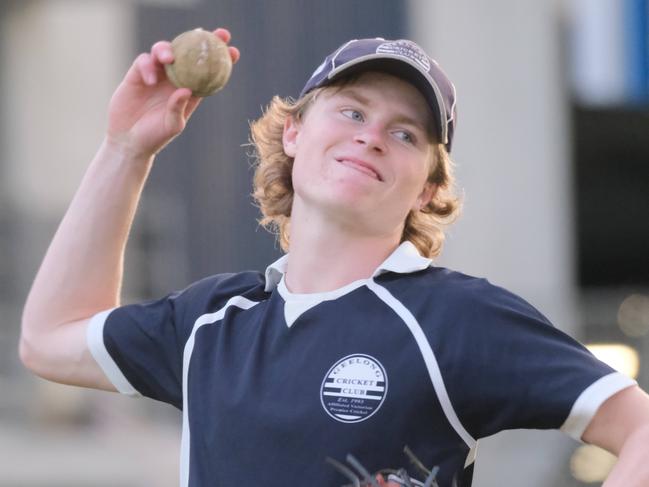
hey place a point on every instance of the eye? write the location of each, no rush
(353, 114)
(405, 136)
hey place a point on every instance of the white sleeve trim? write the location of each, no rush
(589, 401)
(95, 339)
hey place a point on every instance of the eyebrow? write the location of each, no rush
(428, 128)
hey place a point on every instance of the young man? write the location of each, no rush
(352, 343)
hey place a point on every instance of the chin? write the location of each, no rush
(349, 198)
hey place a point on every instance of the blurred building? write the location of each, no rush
(553, 167)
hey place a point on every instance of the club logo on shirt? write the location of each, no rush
(354, 388)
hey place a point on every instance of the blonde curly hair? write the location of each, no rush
(273, 186)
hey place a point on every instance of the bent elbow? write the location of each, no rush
(26, 343)
(27, 354)
(33, 349)
(57, 352)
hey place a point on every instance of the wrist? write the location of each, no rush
(120, 148)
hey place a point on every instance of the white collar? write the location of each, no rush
(404, 260)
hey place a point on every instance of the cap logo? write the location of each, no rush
(406, 49)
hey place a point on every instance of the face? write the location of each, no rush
(362, 153)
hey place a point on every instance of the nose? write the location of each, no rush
(372, 137)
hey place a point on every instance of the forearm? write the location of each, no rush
(82, 269)
(632, 467)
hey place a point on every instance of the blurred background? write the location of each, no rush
(552, 155)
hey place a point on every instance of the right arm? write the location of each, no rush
(81, 273)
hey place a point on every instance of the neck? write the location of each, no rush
(332, 251)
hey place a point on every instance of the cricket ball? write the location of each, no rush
(202, 62)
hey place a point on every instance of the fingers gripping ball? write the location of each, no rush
(202, 62)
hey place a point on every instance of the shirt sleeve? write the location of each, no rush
(514, 369)
(140, 346)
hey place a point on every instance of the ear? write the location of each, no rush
(425, 197)
(289, 137)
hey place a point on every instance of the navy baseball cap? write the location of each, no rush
(401, 58)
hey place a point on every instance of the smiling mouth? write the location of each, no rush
(361, 167)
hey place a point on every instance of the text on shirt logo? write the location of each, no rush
(354, 388)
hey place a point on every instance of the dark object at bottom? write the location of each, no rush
(361, 477)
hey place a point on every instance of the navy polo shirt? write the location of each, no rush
(270, 383)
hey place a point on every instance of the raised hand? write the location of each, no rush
(146, 111)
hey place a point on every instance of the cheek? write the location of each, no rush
(421, 172)
(311, 161)
(303, 173)
(416, 179)
(413, 183)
